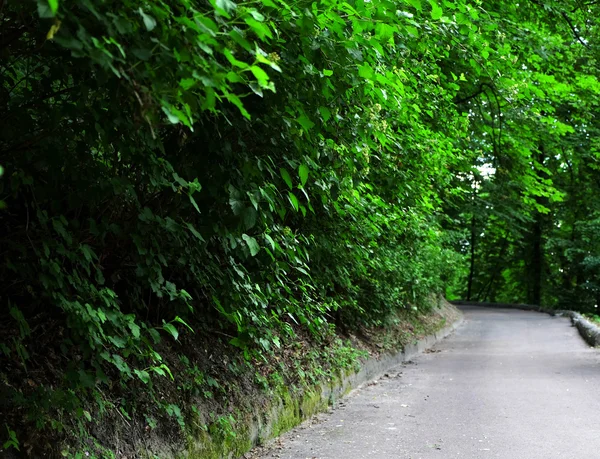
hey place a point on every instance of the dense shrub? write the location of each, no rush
(251, 167)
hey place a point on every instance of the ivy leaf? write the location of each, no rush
(59, 226)
(88, 253)
(252, 244)
(286, 177)
(118, 341)
(162, 369)
(303, 173)
(53, 5)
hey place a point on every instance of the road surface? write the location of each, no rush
(507, 384)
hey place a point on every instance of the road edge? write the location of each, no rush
(588, 331)
(370, 370)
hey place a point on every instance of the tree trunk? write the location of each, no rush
(537, 245)
(472, 268)
(537, 261)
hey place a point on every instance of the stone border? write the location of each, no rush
(588, 331)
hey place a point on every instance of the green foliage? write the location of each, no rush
(529, 214)
(251, 169)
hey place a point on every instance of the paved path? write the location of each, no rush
(507, 384)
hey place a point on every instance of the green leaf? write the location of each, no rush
(286, 177)
(162, 370)
(121, 365)
(193, 202)
(45, 10)
(173, 119)
(270, 241)
(303, 173)
(182, 322)
(252, 244)
(149, 21)
(226, 6)
(415, 4)
(143, 375)
(187, 83)
(436, 10)
(171, 330)
(118, 341)
(325, 113)
(53, 5)
(235, 62)
(305, 122)
(249, 217)
(260, 29)
(263, 60)
(293, 200)
(135, 329)
(256, 15)
(366, 71)
(235, 100)
(261, 76)
(88, 253)
(194, 232)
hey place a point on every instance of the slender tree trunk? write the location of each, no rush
(537, 246)
(496, 270)
(537, 262)
(472, 268)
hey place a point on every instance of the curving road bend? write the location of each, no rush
(507, 384)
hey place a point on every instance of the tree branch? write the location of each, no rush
(574, 29)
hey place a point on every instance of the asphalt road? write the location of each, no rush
(507, 384)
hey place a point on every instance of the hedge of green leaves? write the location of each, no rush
(252, 166)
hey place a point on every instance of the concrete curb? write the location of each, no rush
(588, 331)
(374, 368)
